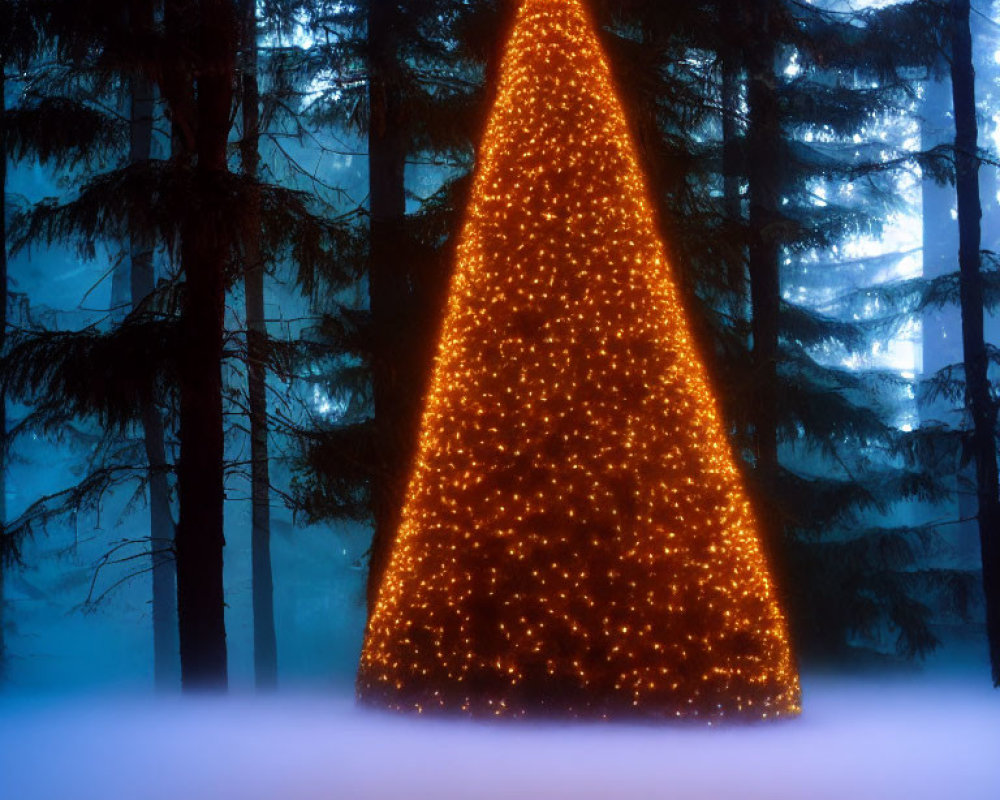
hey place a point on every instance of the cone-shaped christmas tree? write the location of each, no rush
(575, 538)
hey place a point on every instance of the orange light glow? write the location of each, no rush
(575, 538)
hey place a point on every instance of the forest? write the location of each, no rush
(230, 235)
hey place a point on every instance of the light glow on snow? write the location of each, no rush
(915, 738)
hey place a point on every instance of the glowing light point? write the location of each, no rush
(575, 538)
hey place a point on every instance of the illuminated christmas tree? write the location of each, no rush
(575, 538)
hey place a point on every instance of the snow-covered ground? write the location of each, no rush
(912, 737)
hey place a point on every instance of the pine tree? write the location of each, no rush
(4, 47)
(200, 95)
(388, 294)
(814, 101)
(575, 538)
(982, 406)
(765, 159)
(61, 132)
(142, 284)
(205, 216)
(265, 639)
(50, 368)
(409, 82)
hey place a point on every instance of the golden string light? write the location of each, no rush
(575, 538)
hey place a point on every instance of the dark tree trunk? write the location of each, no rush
(763, 176)
(984, 40)
(200, 538)
(980, 404)
(3, 341)
(265, 648)
(731, 173)
(161, 523)
(941, 327)
(387, 284)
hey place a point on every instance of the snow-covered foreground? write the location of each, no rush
(904, 738)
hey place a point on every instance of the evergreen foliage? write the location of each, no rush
(821, 95)
(774, 134)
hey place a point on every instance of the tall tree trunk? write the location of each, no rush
(763, 175)
(204, 256)
(161, 523)
(3, 340)
(386, 282)
(265, 648)
(941, 339)
(985, 39)
(731, 169)
(980, 404)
